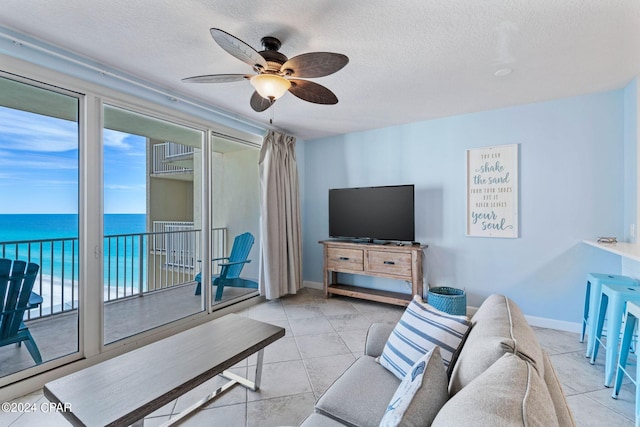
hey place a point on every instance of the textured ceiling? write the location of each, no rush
(409, 61)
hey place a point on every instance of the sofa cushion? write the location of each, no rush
(420, 329)
(359, 397)
(498, 327)
(510, 393)
(420, 395)
(377, 337)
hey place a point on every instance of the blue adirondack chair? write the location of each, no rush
(16, 284)
(230, 272)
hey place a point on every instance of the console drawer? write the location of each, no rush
(345, 259)
(389, 262)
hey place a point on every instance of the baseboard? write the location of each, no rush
(541, 322)
(312, 285)
(560, 325)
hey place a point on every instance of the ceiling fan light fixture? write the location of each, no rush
(274, 70)
(270, 86)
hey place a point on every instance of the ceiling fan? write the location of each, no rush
(275, 71)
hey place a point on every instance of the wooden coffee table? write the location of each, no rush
(123, 390)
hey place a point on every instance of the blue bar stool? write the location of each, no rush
(614, 297)
(632, 315)
(591, 299)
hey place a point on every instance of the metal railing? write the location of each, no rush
(173, 149)
(134, 264)
(162, 242)
(132, 268)
(179, 244)
(165, 153)
(57, 281)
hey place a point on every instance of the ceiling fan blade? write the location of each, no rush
(312, 92)
(238, 48)
(258, 103)
(315, 64)
(216, 78)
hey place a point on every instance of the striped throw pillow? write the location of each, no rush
(420, 329)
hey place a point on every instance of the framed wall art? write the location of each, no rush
(492, 191)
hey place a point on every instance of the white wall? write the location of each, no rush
(631, 160)
(571, 188)
(236, 200)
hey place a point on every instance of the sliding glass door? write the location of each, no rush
(235, 201)
(152, 222)
(129, 215)
(39, 158)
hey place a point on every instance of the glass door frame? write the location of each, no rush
(82, 100)
(176, 118)
(91, 96)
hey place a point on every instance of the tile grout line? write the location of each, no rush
(371, 314)
(586, 394)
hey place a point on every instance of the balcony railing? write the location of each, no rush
(57, 281)
(179, 244)
(164, 154)
(134, 264)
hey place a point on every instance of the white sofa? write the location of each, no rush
(502, 377)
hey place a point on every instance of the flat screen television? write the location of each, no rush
(372, 213)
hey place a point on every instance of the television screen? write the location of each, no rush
(380, 213)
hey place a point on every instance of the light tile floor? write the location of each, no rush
(323, 338)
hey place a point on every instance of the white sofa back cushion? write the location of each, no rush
(510, 393)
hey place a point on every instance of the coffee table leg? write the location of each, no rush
(234, 379)
(258, 376)
(251, 385)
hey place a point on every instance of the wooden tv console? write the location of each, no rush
(378, 260)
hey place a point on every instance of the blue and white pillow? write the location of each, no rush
(420, 329)
(404, 394)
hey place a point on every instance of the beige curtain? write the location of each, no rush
(280, 230)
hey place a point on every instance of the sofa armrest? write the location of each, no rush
(376, 338)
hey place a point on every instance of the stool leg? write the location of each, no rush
(594, 304)
(614, 324)
(585, 316)
(624, 353)
(599, 322)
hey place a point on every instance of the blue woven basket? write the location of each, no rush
(449, 300)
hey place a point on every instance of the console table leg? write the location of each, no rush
(258, 376)
(251, 385)
(199, 404)
(234, 379)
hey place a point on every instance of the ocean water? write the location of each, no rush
(19, 227)
(51, 241)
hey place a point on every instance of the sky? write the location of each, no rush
(39, 166)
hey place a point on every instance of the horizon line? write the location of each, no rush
(69, 213)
